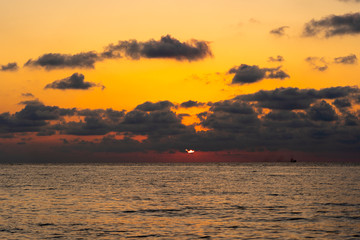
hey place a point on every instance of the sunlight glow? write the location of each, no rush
(190, 151)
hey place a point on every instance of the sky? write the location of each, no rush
(125, 81)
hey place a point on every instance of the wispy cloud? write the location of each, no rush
(350, 59)
(280, 31)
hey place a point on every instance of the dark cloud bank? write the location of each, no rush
(334, 25)
(166, 47)
(290, 119)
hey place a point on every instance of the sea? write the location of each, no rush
(180, 201)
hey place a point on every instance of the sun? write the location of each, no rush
(190, 151)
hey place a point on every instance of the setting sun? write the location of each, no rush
(190, 151)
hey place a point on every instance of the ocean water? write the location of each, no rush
(180, 201)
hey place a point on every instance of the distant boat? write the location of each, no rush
(292, 160)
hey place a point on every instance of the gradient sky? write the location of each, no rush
(143, 80)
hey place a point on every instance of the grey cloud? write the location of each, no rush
(155, 120)
(75, 81)
(322, 112)
(90, 126)
(191, 103)
(9, 67)
(166, 47)
(32, 118)
(249, 74)
(231, 116)
(342, 103)
(278, 58)
(351, 59)
(279, 31)
(109, 113)
(57, 60)
(149, 106)
(282, 98)
(334, 25)
(336, 92)
(294, 98)
(277, 73)
(232, 106)
(96, 122)
(160, 124)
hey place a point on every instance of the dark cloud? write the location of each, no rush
(294, 98)
(351, 59)
(334, 25)
(322, 111)
(317, 63)
(89, 126)
(277, 73)
(279, 31)
(250, 74)
(149, 106)
(57, 60)
(34, 117)
(276, 59)
(166, 47)
(191, 103)
(9, 67)
(336, 92)
(342, 103)
(75, 81)
(232, 106)
(282, 98)
(231, 116)
(109, 113)
(95, 122)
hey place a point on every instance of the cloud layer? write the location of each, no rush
(293, 119)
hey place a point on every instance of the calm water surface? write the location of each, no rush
(183, 201)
